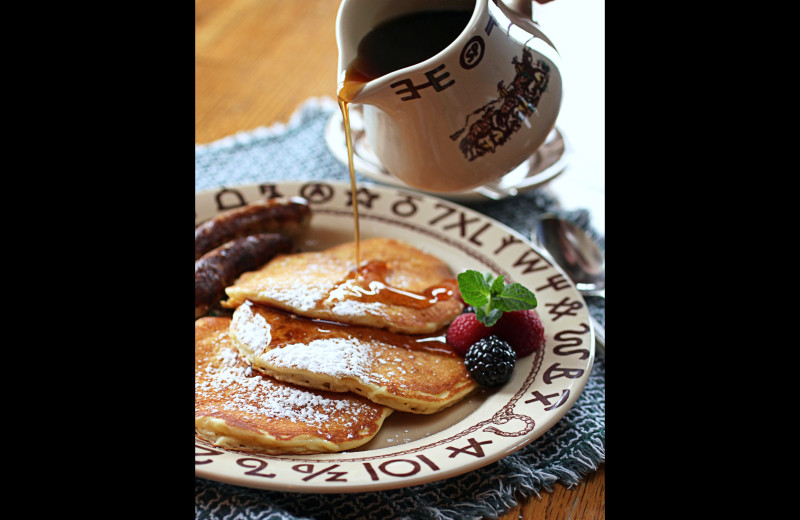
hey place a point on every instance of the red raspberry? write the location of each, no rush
(523, 330)
(464, 331)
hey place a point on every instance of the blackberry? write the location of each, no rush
(490, 361)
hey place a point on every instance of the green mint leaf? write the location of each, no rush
(491, 317)
(491, 297)
(474, 287)
(487, 317)
(515, 297)
(497, 287)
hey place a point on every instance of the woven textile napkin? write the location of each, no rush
(569, 450)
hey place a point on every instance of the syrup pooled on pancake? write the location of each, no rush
(241, 409)
(398, 287)
(413, 373)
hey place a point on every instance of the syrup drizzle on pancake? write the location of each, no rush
(417, 373)
(368, 284)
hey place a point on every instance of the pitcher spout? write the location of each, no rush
(352, 24)
(347, 40)
(362, 92)
(362, 79)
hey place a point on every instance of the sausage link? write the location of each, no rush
(221, 266)
(285, 215)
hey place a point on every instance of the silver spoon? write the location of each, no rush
(578, 255)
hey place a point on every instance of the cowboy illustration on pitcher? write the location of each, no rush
(500, 118)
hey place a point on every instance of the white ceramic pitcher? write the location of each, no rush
(466, 116)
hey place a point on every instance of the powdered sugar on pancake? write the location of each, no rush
(260, 396)
(252, 329)
(339, 357)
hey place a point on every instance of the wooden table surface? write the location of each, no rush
(256, 61)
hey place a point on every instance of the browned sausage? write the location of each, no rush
(285, 215)
(221, 266)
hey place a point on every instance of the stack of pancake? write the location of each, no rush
(315, 355)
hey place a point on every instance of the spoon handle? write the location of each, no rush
(599, 335)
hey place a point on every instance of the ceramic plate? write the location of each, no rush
(488, 425)
(547, 163)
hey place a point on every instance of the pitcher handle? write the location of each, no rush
(520, 12)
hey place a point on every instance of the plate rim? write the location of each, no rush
(201, 470)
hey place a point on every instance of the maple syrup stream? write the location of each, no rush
(373, 274)
(391, 46)
(344, 106)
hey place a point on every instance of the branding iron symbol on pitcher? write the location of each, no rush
(438, 78)
(502, 117)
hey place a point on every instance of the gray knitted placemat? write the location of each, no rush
(565, 453)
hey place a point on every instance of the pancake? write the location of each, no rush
(241, 409)
(413, 373)
(399, 287)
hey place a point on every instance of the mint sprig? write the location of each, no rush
(491, 297)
